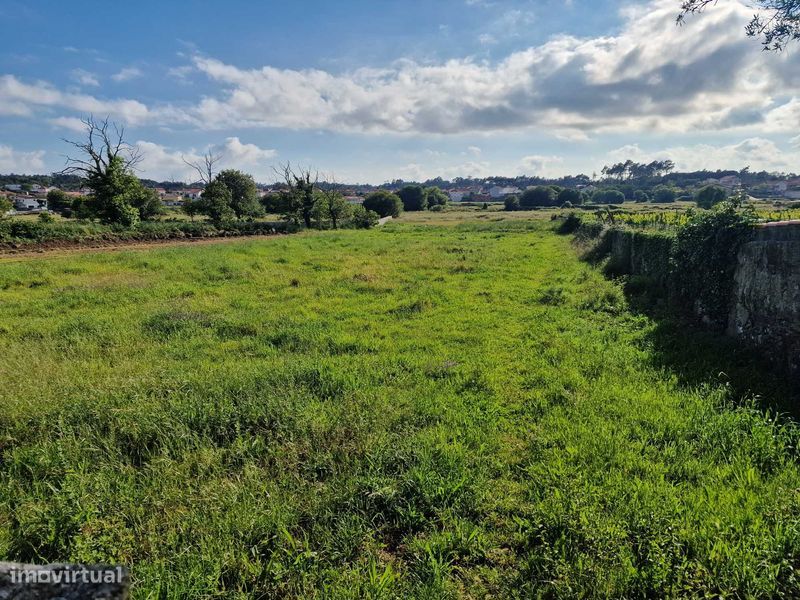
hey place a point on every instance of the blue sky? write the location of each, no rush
(374, 90)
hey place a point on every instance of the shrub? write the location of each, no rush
(385, 203)
(608, 197)
(512, 203)
(363, 218)
(573, 196)
(641, 196)
(704, 259)
(540, 195)
(436, 197)
(710, 195)
(414, 198)
(570, 224)
(664, 194)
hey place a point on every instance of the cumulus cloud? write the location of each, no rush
(16, 95)
(543, 166)
(71, 123)
(16, 161)
(650, 76)
(85, 77)
(164, 163)
(126, 74)
(758, 153)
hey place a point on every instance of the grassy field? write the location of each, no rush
(420, 410)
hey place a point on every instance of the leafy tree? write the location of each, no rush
(571, 195)
(641, 196)
(146, 201)
(629, 170)
(333, 206)
(664, 194)
(244, 193)
(5, 206)
(302, 197)
(710, 195)
(385, 203)
(58, 201)
(363, 218)
(192, 208)
(414, 198)
(216, 202)
(436, 197)
(511, 203)
(608, 196)
(540, 195)
(777, 22)
(106, 165)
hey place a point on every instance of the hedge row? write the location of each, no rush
(23, 232)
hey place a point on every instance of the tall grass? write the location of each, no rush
(416, 411)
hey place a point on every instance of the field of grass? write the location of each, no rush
(419, 411)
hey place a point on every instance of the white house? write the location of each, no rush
(13, 187)
(497, 192)
(28, 203)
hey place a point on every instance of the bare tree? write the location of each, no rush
(205, 166)
(104, 144)
(302, 184)
(777, 22)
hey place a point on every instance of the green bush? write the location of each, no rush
(511, 203)
(608, 197)
(710, 195)
(385, 203)
(541, 195)
(664, 194)
(704, 259)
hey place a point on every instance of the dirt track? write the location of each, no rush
(61, 248)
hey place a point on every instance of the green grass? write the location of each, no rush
(415, 411)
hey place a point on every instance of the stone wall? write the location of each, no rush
(765, 308)
(765, 303)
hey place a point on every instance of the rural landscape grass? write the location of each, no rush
(430, 409)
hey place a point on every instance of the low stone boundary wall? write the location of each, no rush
(765, 303)
(765, 308)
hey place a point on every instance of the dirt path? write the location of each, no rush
(61, 248)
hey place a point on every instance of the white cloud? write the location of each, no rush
(15, 93)
(127, 73)
(650, 77)
(71, 123)
(543, 166)
(758, 153)
(474, 150)
(164, 163)
(16, 161)
(85, 77)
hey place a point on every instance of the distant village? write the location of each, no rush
(32, 197)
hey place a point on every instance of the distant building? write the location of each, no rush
(457, 195)
(354, 199)
(730, 181)
(13, 187)
(192, 193)
(28, 203)
(497, 192)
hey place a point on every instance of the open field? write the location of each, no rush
(447, 406)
